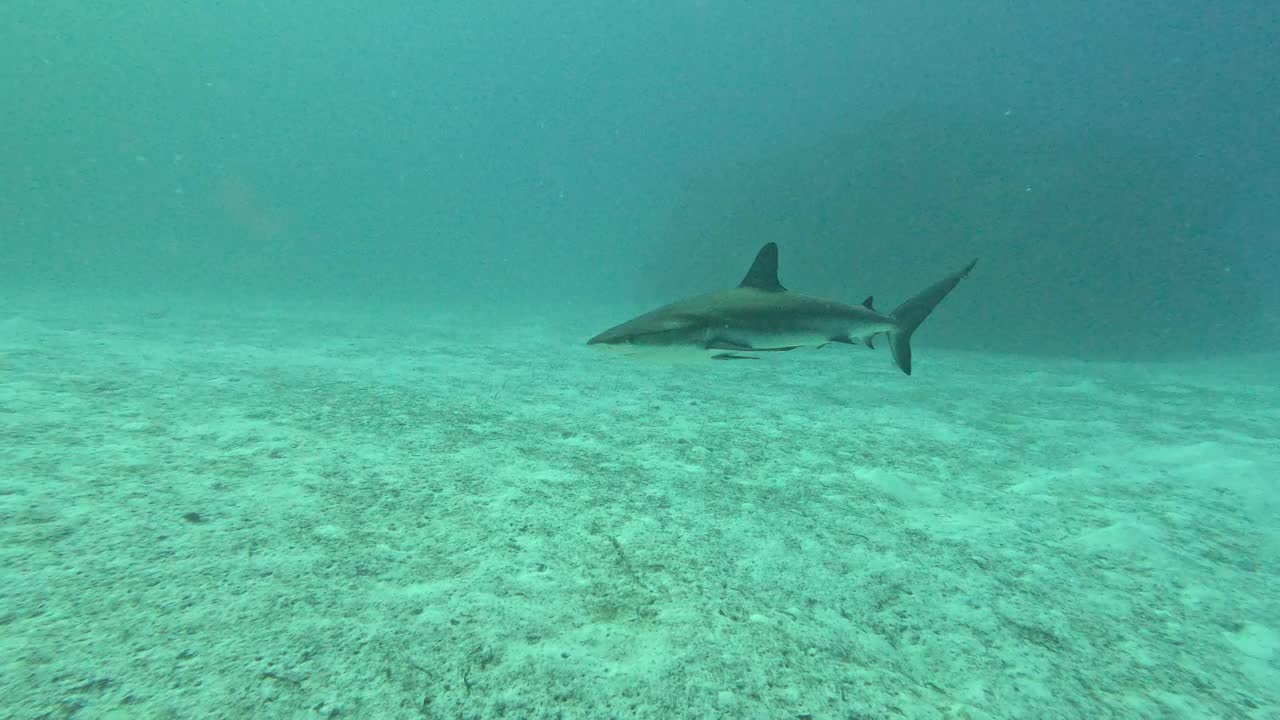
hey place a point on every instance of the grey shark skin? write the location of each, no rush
(761, 316)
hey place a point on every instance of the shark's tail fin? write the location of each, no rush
(911, 313)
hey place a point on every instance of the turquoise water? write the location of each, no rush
(297, 420)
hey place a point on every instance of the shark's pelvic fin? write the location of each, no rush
(763, 274)
(911, 313)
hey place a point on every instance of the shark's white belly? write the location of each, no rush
(792, 338)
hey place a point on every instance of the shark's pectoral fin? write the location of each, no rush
(730, 356)
(840, 339)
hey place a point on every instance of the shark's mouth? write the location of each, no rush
(615, 348)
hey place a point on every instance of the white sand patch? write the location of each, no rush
(281, 512)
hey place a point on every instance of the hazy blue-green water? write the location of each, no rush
(1114, 167)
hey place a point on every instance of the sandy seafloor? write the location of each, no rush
(241, 510)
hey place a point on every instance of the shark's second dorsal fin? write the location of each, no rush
(763, 274)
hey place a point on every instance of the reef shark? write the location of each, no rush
(762, 316)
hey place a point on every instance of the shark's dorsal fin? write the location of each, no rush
(763, 274)
(869, 302)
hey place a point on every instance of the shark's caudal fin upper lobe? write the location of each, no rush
(911, 313)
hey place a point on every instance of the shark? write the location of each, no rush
(761, 316)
